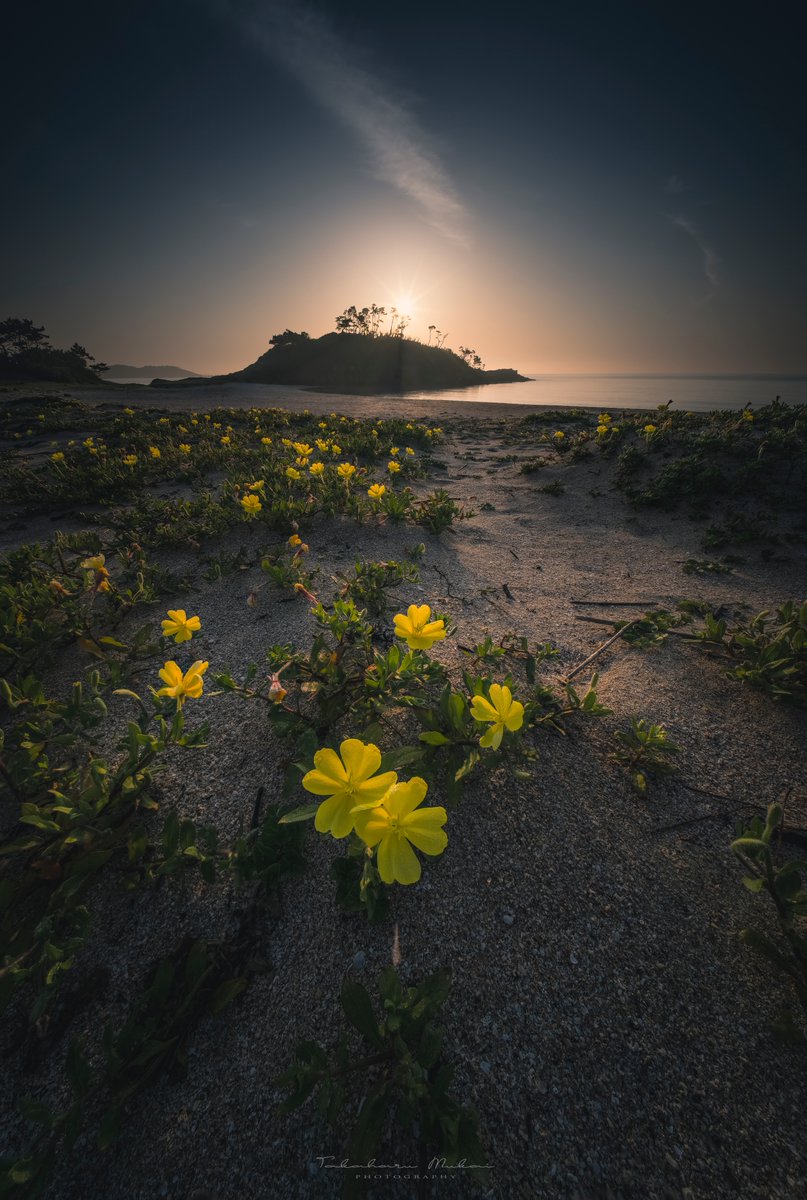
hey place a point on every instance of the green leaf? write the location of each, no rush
(170, 836)
(137, 844)
(753, 885)
(34, 1110)
(109, 1129)
(468, 765)
(359, 1011)
(369, 1124)
(306, 812)
(434, 738)
(402, 757)
(78, 1070)
(227, 992)
(24, 1170)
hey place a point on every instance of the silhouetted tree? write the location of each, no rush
(288, 338)
(18, 334)
(376, 315)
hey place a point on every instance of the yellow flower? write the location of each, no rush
(346, 471)
(317, 468)
(417, 628)
(182, 429)
(88, 442)
(347, 782)
(256, 486)
(285, 442)
(376, 491)
(96, 564)
(747, 414)
(396, 825)
(322, 425)
(93, 449)
(409, 425)
(194, 421)
(559, 435)
(266, 441)
(393, 467)
(602, 429)
(130, 460)
(178, 686)
(502, 711)
(129, 412)
(302, 461)
(251, 505)
(184, 447)
(225, 441)
(649, 430)
(322, 446)
(154, 451)
(180, 626)
(394, 450)
(293, 473)
(295, 540)
(58, 456)
(217, 424)
(409, 450)
(605, 419)
(303, 449)
(335, 450)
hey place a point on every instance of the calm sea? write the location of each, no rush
(697, 393)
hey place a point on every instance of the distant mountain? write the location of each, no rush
(348, 362)
(122, 371)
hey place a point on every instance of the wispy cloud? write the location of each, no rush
(711, 262)
(306, 44)
(674, 184)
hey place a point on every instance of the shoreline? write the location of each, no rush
(410, 405)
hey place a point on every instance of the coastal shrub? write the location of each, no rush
(769, 651)
(784, 886)
(644, 749)
(400, 1073)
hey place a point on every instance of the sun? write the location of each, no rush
(405, 303)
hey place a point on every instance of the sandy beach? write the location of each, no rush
(604, 1019)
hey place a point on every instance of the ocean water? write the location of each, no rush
(695, 393)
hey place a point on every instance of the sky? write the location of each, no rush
(566, 188)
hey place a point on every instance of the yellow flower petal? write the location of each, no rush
(361, 760)
(424, 830)
(397, 861)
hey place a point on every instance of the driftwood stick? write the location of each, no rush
(712, 816)
(599, 649)
(617, 603)
(602, 621)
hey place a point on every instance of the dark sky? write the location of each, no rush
(587, 187)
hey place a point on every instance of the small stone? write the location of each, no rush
(359, 960)
(508, 918)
